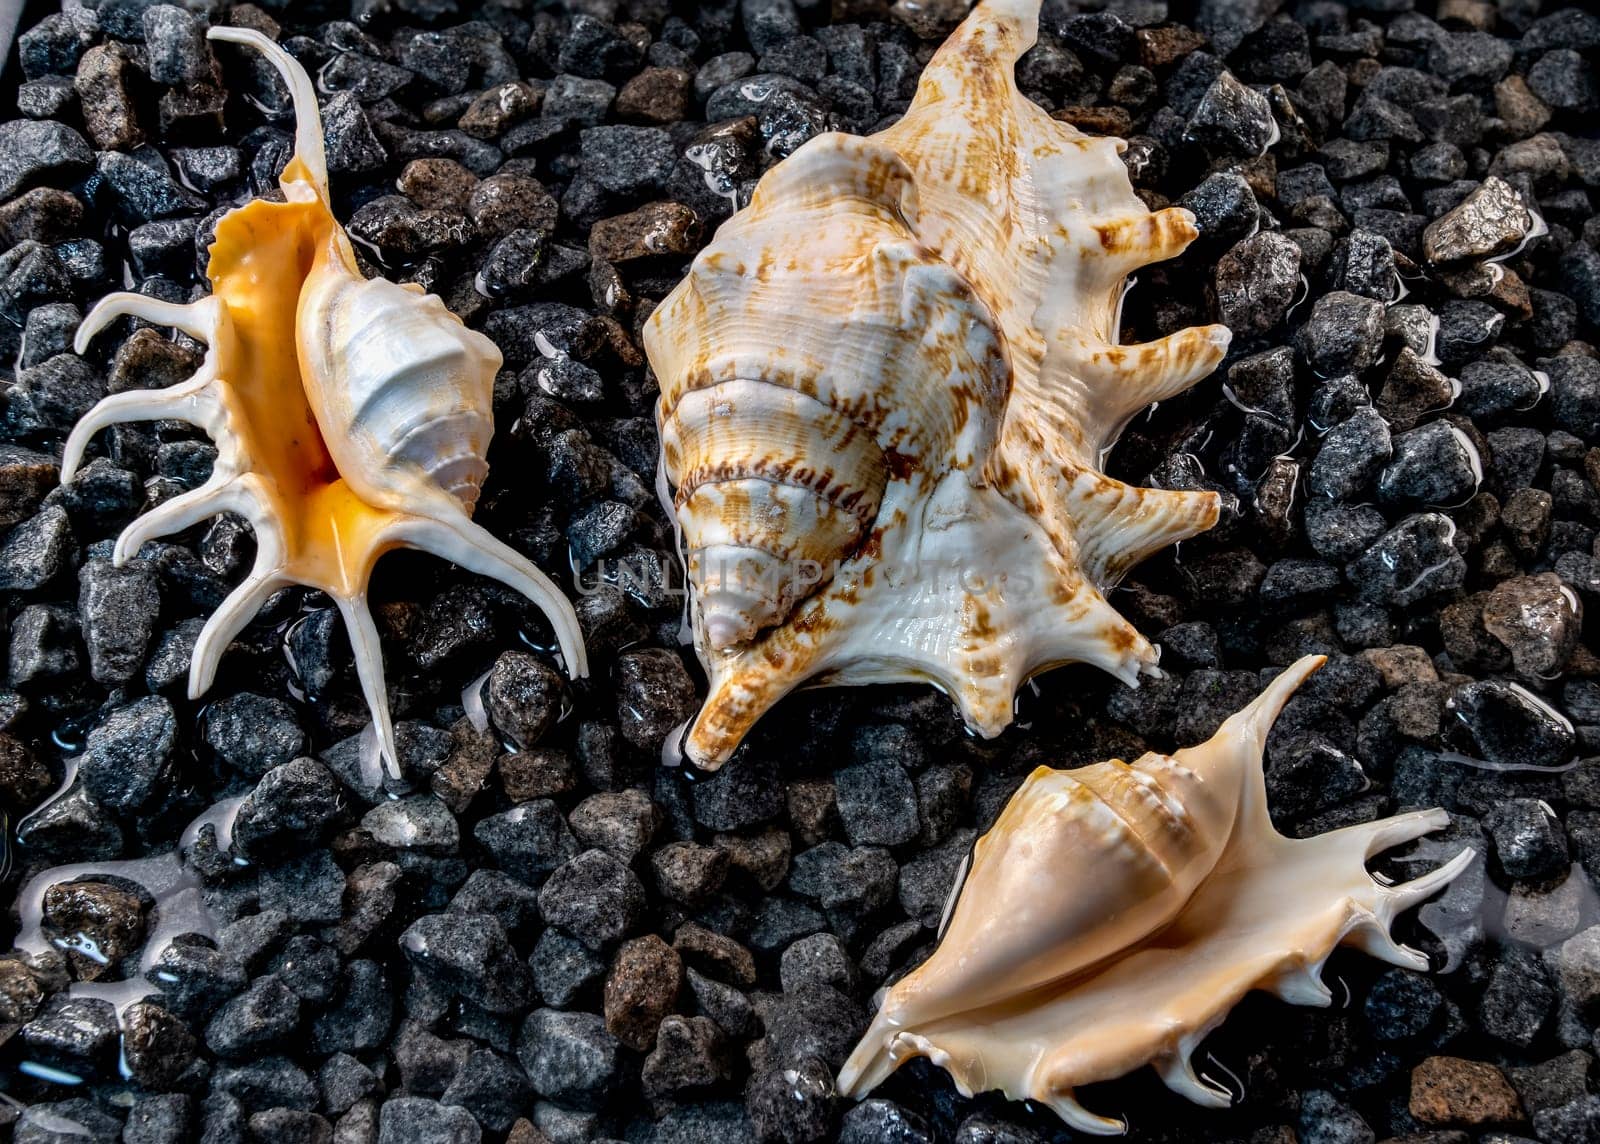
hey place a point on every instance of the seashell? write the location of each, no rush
(1114, 914)
(351, 416)
(886, 388)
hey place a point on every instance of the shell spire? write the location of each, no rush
(886, 386)
(1043, 981)
(351, 416)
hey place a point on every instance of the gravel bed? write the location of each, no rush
(541, 933)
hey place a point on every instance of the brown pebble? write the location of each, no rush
(655, 228)
(641, 990)
(655, 95)
(503, 105)
(108, 109)
(102, 922)
(438, 184)
(1453, 1091)
(715, 955)
(537, 773)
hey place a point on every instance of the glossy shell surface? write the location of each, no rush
(1114, 914)
(886, 387)
(351, 416)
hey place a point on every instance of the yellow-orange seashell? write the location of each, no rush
(351, 416)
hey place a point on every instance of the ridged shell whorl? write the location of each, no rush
(779, 443)
(1114, 914)
(886, 386)
(380, 344)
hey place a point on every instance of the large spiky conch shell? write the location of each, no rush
(886, 386)
(1114, 914)
(351, 415)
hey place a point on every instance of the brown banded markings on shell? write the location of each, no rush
(351, 416)
(1114, 914)
(886, 386)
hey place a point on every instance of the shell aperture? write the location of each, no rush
(1189, 898)
(885, 389)
(351, 416)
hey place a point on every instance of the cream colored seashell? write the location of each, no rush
(1114, 915)
(886, 387)
(351, 416)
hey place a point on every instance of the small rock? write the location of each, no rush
(877, 803)
(524, 697)
(1538, 620)
(127, 761)
(662, 228)
(569, 1057)
(1344, 334)
(1410, 562)
(593, 897)
(1528, 838)
(1257, 282)
(420, 822)
(1452, 1091)
(620, 822)
(118, 607)
(1505, 723)
(1232, 120)
(253, 733)
(1436, 464)
(1352, 454)
(641, 989)
(470, 956)
(416, 1120)
(654, 695)
(1489, 222)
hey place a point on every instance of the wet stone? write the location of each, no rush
(1575, 394)
(1257, 282)
(1435, 464)
(1344, 334)
(470, 956)
(641, 989)
(1492, 220)
(654, 695)
(527, 841)
(259, 1018)
(293, 806)
(1494, 386)
(144, 191)
(1413, 560)
(1505, 723)
(253, 733)
(420, 822)
(877, 803)
(118, 607)
(127, 762)
(79, 1028)
(1564, 80)
(620, 822)
(36, 551)
(1412, 389)
(628, 160)
(524, 697)
(1538, 620)
(109, 113)
(175, 46)
(1528, 840)
(1232, 120)
(654, 229)
(500, 107)
(1353, 453)
(44, 644)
